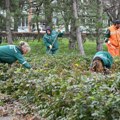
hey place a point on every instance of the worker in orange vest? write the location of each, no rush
(112, 38)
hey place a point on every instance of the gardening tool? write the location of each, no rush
(53, 43)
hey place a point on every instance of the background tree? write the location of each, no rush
(17, 8)
(63, 12)
(99, 25)
(48, 11)
(71, 22)
(77, 26)
(36, 7)
(112, 8)
(64, 8)
(92, 17)
(8, 22)
(2, 16)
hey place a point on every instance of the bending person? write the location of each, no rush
(102, 62)
(11, 53)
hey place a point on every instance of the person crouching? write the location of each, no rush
(101, 62)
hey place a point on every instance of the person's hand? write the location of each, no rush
(50, 46)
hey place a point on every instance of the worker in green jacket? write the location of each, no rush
(102, 62)
(50, 40)
(11, 53)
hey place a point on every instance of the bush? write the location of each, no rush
(61, 87)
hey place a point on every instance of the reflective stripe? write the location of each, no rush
(13, 47)
(114, 32)
(24, 62)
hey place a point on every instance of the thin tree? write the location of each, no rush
(8, 22)
(78, 33)
(99, 25)
(112, 8)
(48, 10)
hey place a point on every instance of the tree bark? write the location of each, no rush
(78, 33)
(8, 22)
(112, 8)
(99, 40)
(30, 17)
(48, 10)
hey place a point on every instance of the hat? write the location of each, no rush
(116, 22)
(48, 28)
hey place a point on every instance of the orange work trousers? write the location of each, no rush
(114, 51)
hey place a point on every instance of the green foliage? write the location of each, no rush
(61, 86)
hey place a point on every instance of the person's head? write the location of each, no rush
(116, 23)
(48, 30)
(24, 46)
(98, 67)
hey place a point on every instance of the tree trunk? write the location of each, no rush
(99, 40)
(78, 33)
(30, 18)
(72, 40)
(48, 10)
(66, 27)
(112, 8)
(37, 23)
(8, 22)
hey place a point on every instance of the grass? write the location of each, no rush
(39, 49)
(89, 47)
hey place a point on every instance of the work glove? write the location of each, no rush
(50, 46)
(106, 40)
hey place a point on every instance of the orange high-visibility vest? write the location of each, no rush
(114, 41)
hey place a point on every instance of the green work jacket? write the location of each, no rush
(11, 53)
(105, 57)
(51, 39)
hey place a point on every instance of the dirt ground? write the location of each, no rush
(13, 110)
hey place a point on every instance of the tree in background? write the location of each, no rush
(99, 25)
(13, 11)
(69, 11)
(2, 16)
(77, 26)
(112, 8)
(48, 12)
(92, 17)
(17, 8)
(37, 16)
(8, 22)
(63, 9)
